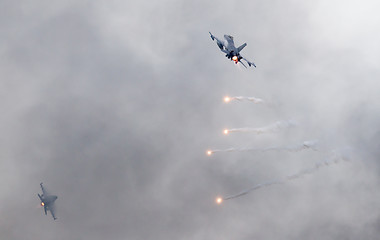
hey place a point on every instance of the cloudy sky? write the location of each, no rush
(113, 104)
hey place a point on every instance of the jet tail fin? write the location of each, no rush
(241, 47)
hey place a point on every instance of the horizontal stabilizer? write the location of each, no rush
(249, 63)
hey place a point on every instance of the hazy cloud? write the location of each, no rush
(113, 104)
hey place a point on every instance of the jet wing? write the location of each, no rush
(241, 47)
(52, 210)
(52, 214)
(220, 44)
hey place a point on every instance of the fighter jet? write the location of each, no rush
(47, 201)
(230, 50)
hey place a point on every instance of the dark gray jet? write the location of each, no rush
(230, 50)
(47, 201)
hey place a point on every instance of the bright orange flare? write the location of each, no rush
(219, 200)
(225, 131)
(42, 204)
(235, 58)
(227, 99)
(209, 152)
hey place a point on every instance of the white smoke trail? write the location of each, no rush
(335, 158)
(310, 144)
(277, 126)
(241, 98)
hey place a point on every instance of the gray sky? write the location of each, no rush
(113, 104)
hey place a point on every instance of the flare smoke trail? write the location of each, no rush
(335, 158)
(240, 98)
(253, 188)
(311, 144)
(277, 126)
